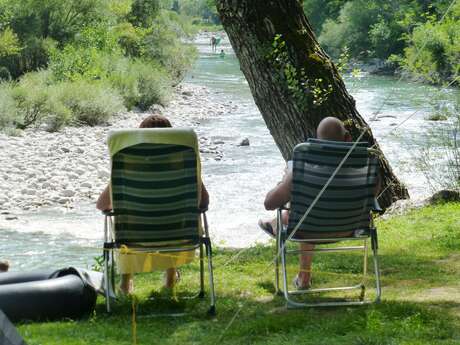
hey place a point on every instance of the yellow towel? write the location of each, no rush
(130, 263)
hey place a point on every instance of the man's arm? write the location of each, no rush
(280, 195)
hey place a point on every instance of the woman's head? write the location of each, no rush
(155, 121)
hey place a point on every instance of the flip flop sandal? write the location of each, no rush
(267, 228)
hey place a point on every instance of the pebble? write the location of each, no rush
(68, 193)
(244, 142)
(63, 201)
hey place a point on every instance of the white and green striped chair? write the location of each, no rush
(344, 207)
(155, 189)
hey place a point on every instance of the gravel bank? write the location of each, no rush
(42, 169)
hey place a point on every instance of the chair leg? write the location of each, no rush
(107, 281)
(201, 294)
(282, 250)
(212, 309)
(363, 283)
(376, 270)
(277, 258)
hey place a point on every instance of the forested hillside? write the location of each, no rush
(81, 61)
(393, 31)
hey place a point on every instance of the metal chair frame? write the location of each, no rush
(110, 245)
(282, 251)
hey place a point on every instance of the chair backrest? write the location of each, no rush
(346, 203)
(155, 185)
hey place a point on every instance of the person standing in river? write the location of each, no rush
(213, 43)
(129, 263)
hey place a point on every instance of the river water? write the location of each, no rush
(238, 182)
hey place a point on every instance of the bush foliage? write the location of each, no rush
(394, 31)
(81, 62)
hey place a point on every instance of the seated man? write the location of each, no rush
(329, 128)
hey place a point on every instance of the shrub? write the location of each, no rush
(5, 74)
(153, 83)
(8, 110)
(140, 83)
(90, 103)
(125, 82)
(9, 43)
(31, 97)
(439, 156)
(438, 61)
(34, 55)
(164, 45)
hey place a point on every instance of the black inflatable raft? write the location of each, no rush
(47, 295)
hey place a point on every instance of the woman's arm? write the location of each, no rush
(204, 202)
(103, 202)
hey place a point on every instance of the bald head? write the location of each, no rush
(331, 128)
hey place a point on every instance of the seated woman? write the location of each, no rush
(140, 262)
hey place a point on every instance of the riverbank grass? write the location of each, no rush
(420, 264)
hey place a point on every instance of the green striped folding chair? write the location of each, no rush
(155, 189)
(332, 200)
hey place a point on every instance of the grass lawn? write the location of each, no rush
(420, 264)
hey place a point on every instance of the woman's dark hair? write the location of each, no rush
(155, 121)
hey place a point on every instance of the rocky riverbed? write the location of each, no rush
(42, 169)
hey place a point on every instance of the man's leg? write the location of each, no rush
(305, 261)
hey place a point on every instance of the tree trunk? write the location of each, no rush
(293, 81)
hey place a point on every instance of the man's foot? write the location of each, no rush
(172, 277)
(268, 226)
(127, 286)
(4, 266)
(301, 283)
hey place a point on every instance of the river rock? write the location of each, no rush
(244, 142)
(68, 193)
(445, 195)
(103, 174)
(63, 201)
(28, 192)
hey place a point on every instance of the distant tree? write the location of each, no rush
(294, 83)
(176, 6)
(143, 12)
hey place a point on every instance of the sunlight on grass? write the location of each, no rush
(420, 270)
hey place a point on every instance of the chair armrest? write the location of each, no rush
(108, 213)
(202, 210)
(376, 207)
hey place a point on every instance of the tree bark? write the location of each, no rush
(293, 81)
